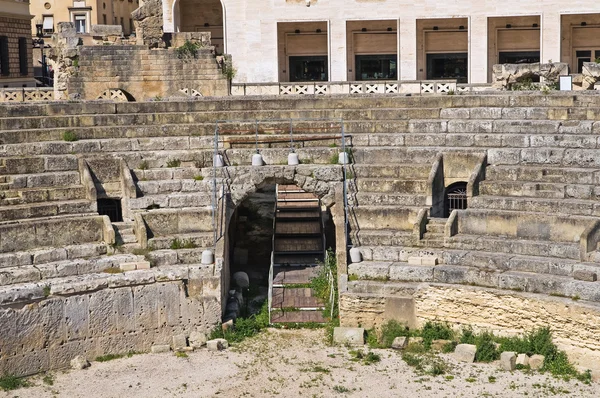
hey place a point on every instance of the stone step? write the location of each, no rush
(46, 209)
(27, 293)
(529, 173)
(156, 187)
(385, 185)
(382, 237)
(62, 268)
(539, 190)
(37, 164)
(42, 194)
(171, 200)
(511, 262)
(165, 257)
(396, 171)
(198, 239)
(435, 227)
(170, 173)
(385, 217)
(537, 205)
(390, 199)
(49, 180)
(47, 255)
(374, 155)
(562, 286)
(515, 246)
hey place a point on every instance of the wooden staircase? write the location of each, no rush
(298, 251)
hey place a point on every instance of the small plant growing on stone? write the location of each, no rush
(112, 270)
(187, 50)
(182, 244)
(157, 98)
(10, 382)
(46, 291)
(181, 354)
(69, 136)
(198, 178)
(173, 163)
(48, 379)
(143, 165)
(227, 69)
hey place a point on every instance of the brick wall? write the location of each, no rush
(14, 28)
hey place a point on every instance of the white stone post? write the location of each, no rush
(338, 63)
(407, 56)
(478, 49)
(550, 39)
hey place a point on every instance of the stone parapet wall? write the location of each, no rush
(123, 313)
(144, 73)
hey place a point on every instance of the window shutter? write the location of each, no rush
(23, 61)
(4, 56)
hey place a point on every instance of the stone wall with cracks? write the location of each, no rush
(108, 314)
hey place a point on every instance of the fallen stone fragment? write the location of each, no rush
(415, 340)
(508, 360)
(399, 343)
(160, 348)
(465, 352)
(179, 341)
(79, 362)
(523, 359)
(197, 339)
(351, 336)
(217, 345)
(536, 362)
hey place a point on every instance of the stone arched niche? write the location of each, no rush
(201, 16)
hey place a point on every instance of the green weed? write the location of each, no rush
(173, 163)
(198, 178)
(48, 379)
(10, 382)
(182, 244)
(181, 354)
(435, 331)
(69, 136)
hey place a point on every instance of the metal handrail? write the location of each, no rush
(270, 293)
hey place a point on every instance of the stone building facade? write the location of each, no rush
(84, 13)
(16, 67)
(341, 40)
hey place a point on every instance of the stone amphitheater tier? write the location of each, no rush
(523, 254)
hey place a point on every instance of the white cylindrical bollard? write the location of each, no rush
(355, 256)
(293, 159)
(343, 158)
(207, 257)
(218, 161)
(257, 159)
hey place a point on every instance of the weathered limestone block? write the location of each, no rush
(505, 75)
(465, 352)
(400, 343)
(179, 341)
(585, 275)
(106, 30)
(79, 362)
(591, 75)
(536, 362)
(197, 339)
(508, 360)
(351, 336)
(217, 345)
(160, 348)
(523, 360)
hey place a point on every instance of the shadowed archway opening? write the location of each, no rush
(455, 197)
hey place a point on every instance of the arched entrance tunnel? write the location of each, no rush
(289, 229)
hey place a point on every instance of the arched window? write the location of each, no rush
(455, 197)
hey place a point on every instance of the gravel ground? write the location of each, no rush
(293, 363)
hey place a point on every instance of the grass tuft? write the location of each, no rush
(10, 382)
(69, 136)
